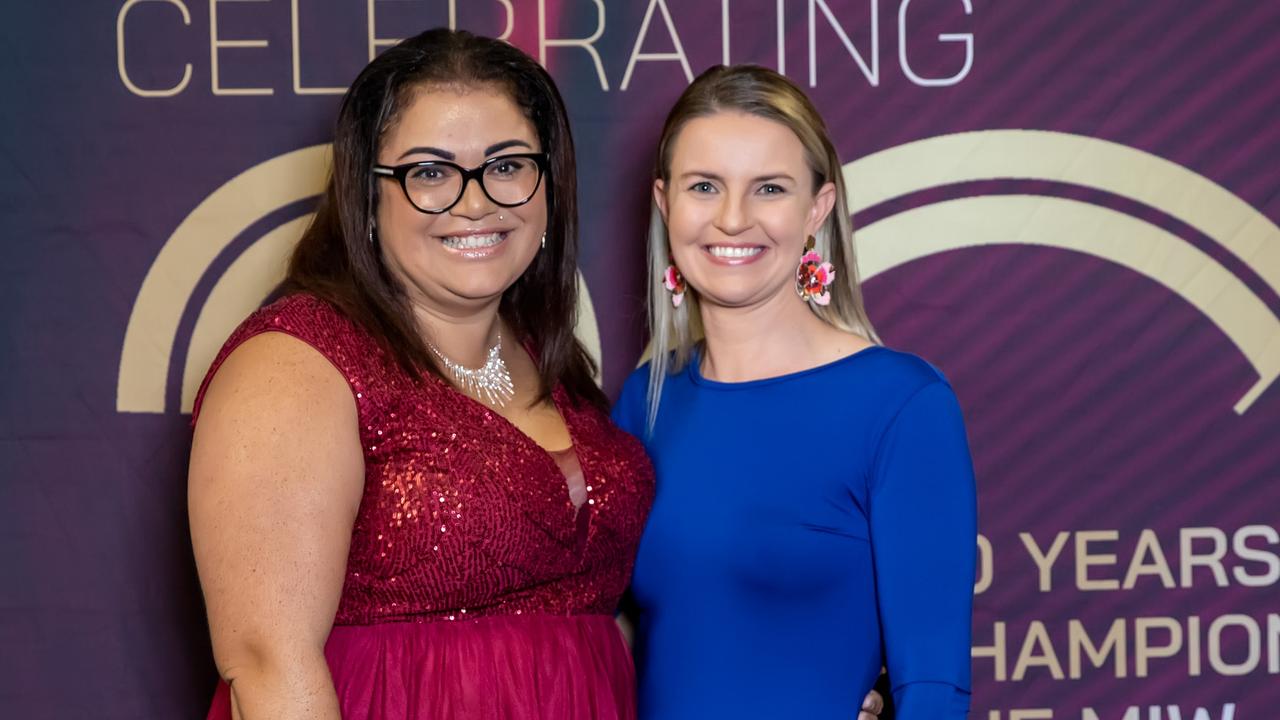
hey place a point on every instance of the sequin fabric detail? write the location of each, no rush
(463, 515)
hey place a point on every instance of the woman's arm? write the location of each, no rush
(923, 535)
(275, 481)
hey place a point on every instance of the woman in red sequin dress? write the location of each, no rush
(407, 500)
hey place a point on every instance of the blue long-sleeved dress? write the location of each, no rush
(808, 529)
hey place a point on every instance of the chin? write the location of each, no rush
(734, 295)
(729, 301)
(480, 291)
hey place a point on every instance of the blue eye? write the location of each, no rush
(772, 189)
(702, 187)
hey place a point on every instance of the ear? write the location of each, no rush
(823, 201)
(660, 197)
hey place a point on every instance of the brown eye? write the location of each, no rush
(431, 174)
(507, 168)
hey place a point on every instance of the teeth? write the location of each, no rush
(735, 251)
(470, 242)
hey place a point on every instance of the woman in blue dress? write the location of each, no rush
(815, 518)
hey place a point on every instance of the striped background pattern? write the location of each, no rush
(1096, 398)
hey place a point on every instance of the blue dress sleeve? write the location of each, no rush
(923, 510)
(629, 412)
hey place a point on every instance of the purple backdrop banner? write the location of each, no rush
(1071, 208)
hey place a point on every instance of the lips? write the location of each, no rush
(734, 255)
(473, 242)
(735, 252)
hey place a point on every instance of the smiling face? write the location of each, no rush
(467, 256)
(739, 205)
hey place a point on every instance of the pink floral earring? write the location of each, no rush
(673, 281)
(813, 276)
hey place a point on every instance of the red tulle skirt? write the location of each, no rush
(548, 667)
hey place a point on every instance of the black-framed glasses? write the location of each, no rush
(434, 186)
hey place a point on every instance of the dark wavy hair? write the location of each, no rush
(336, 261)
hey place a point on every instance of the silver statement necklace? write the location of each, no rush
(490, 382)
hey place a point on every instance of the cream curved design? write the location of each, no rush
(1093, 163)
(241, 290)
(1094, 230)
(167, 288)
(170, 283)
(1078, 160)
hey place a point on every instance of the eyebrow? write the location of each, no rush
(758, 178)
(427, 150)
(506, 144)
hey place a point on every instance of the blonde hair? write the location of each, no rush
(761, 92)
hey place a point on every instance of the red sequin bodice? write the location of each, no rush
(463, 515)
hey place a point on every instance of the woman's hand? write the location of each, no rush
(872, 706)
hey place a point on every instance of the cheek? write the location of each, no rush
(405, 235)
(394, 212)
(783, 222)
(533, 213)
(686, 220)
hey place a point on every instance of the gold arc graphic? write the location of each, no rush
(1088, 162)
(1094, 230)
(1077, 160)
(942, 160)
(170, 283)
